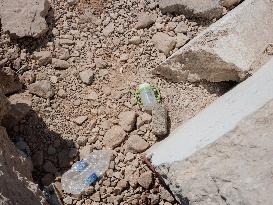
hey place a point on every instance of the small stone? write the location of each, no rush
(136, 144)
(42, 89)
(27, 78)
(60, 64)
(63, 158)
(127, 120)
(37, 159)
(43, 57)
(72, 2)
(135, 40)
(144, 21)
(114, 137)
(87, 76)
(165, 194)
(49, 167)
(62, 93)
(47, 179)
(92, 96)
(159, 120)
(80, 120)
(54, 79)
(163, 42)
(51, 150)
(121, 186)
(143, 119)
(124, 57)
(82, 140)
(96, 196)
(145, 180)
(85, 151)
(181, 40)
(108, 29)
(154, 199)
(68, 200)
(100, 63)
(182, 27)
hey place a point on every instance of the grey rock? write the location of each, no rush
(205, 9)
(159, 120)
(114, 137)
(87, 76)
(80, 120)
(135, 40)
(164, 42)
(237, 167)
(42, 89)
(60, 64)
(24, 18)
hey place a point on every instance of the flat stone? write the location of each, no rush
(127, 120)
(60, 64)
(42, 89)
(114, 137)
(82, 140)
(163, 42)
(85, 151)
(80, 120)
(135, 40)
(108, 29)
(24, 18)
(159, 120)
(205, 9)
(87, 76)
(246, 30)
(181, 40)
(136, 144)
(182, 27)
(143, 119)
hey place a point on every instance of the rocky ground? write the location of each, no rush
(79, 80)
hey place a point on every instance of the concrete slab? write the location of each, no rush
(224, 154)
(228, 49)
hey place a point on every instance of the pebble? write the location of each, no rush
(82, 140)
(165, 194)
(154, 199)
(145, 180)
(144, 21)
(87, 76)
(100, 63)
(80, 120)
(60, 64)
(127, 120)
(124, 57)
(68, 200)
(114, 137)
(159, 120)
(49, 167)
(42, 89)
(121, 186)
(143, 119)
(136, 40)
(136, 144)
(85, 151)
(43, 57)
(96, 196)
(182, 27)
(164, 43)
(181, 40)
(108, 29)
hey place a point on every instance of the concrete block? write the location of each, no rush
(226, 50)
(224, 154)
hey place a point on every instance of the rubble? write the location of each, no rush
(136, 144)
(114, 137)
(24, 18)
(127, 120)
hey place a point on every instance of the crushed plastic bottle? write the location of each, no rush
(147, 96)
(85, 172)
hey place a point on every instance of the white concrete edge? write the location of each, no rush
(217, 119)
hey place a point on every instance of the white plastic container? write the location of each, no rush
(147, 96)
(85, 172)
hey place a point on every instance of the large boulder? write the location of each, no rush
(24, 17)
(228, 50)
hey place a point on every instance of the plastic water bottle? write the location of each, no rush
(147, 96)
(85, 172)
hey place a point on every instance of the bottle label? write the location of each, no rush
(80, 165)
(91, 179)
